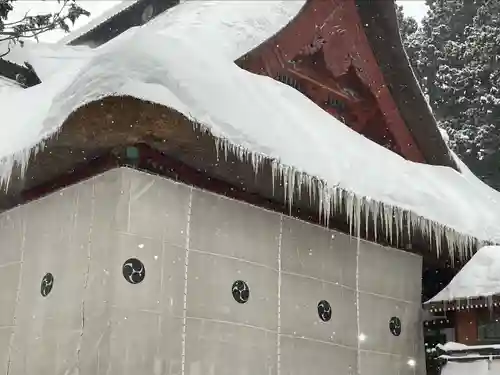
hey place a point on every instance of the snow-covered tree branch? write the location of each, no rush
(455, 54)
(31, 26)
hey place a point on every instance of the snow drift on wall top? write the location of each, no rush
(183, 59)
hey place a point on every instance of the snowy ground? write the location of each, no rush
(184, 59)
(482, 365)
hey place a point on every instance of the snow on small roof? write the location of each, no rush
(96, 21)
(184, 59)
(457, 347)
(480, 277)
(7, 85)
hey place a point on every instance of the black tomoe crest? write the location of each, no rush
(241, 291)
(324, 310)
(395, 326)
(46, 284)
(133, 271)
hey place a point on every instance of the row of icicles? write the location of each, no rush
(392, 221)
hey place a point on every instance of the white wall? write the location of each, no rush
(94, 322)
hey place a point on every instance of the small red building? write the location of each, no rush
(470, 304)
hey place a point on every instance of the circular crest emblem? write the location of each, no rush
(241, 291)
(324, 310)
(133, 271)
(46, 284)
(395, 326)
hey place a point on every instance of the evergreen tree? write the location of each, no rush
(30, 26)
(456, 56)
(407, 25)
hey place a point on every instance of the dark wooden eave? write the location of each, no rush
(122, 21)
(23, 75)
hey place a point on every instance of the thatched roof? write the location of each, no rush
(280, 146)
(101, 127)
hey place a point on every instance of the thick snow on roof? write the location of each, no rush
(7, 85)
(184, 59)
(96, 21)
(480, 277)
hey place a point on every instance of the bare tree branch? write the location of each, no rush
(30, 27)
(5, 53)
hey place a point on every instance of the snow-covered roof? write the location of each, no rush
(480, 277)
(7, 85)
(96, 21)
(457, 347)
(193, 72)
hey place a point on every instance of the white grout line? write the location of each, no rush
(186, 264)
(87, 273)
(358, 320)
(238, 324)
(19, 284)
(5, 265)
(317, 340)
(278, 354)
(361, 291)
(234, 258)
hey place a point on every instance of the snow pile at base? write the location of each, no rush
(183, 59)
(480, 277)
(469, 363)
(481, 367)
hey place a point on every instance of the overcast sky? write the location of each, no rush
(414, 8)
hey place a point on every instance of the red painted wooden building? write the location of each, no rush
(347, 56)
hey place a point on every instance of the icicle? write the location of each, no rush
(390, 224)
(377, 225)
(331, 200)
(291, 188)
(386, 221)
(369, 219)
(273, 175)
(217, 148)
(408, 226)
(350, 211)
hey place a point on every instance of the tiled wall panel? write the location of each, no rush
(182, 318)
